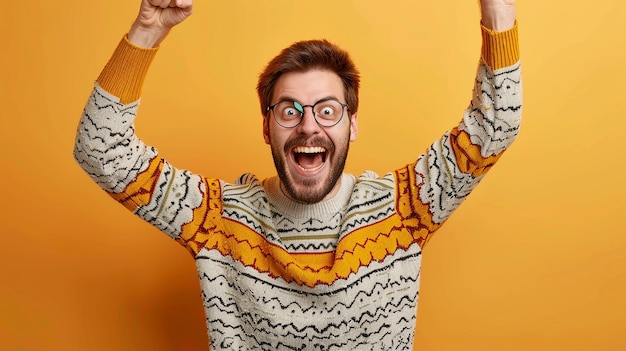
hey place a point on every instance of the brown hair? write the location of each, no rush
(306, 55)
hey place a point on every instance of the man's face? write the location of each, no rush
(310, 158)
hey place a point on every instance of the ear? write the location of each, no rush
(354, 127)
(266, 129)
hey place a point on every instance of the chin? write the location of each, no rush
(309, 194)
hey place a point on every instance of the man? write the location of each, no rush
(311, 259)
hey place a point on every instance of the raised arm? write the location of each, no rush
(108, 149)
(454, 164)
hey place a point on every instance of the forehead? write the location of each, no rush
(308, 87)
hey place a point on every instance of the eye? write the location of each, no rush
(287, 110)
(327, 111)
(290, 112)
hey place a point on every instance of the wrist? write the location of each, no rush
(498, 18)
(124, 74)
(143, 37)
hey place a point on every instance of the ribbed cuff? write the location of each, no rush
(124, 74)
(500, 49)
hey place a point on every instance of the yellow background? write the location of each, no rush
(532, 261)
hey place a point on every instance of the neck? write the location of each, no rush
(335, 201)
(328, 196)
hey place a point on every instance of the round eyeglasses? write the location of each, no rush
(289, 113)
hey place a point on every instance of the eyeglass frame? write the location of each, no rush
(343, 106)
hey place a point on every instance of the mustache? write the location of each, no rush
(314, 141)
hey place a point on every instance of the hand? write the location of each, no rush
(498, 15)
(156, 18)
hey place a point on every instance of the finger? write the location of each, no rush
(160, 3)
(183, 4)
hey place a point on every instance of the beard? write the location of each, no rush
(310, 190)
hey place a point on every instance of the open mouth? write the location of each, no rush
(309, 158)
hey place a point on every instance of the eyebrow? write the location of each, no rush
(289, 98)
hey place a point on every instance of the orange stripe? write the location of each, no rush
(468, 155)
(194, 235)
(251, 249)
(139, 192)
(359, 248)
(416, 215)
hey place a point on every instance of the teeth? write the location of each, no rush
(311, 169)
(309, 149)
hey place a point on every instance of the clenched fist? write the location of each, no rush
(156, 18)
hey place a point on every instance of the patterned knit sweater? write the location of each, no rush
(342, 274)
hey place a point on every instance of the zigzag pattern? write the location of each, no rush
(246, 203)
(380, 303)
(107, 148)
(406, 258)
(456, 163)
(310, 246)
(355, 250)
(171, 206)
(493, 118)
(110, 152)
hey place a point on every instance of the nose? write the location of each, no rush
(308, 125)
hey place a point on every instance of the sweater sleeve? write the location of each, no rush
(133, 173)
(442, 177)
(124, 74)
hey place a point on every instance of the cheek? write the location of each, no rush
(275, 138)
(345, 138)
